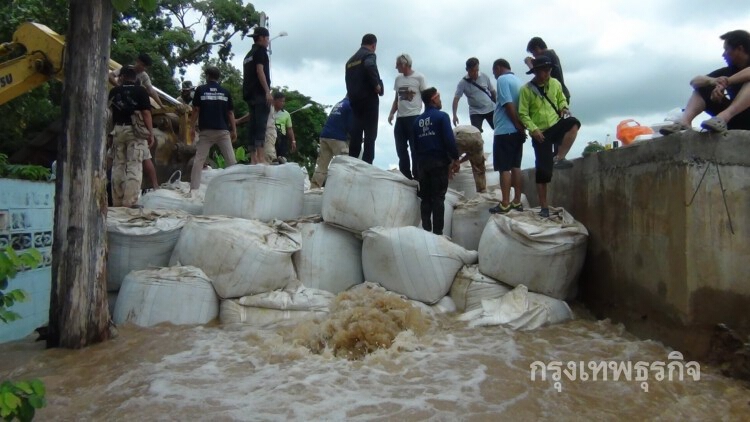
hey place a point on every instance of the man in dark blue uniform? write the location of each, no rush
(437, 155)
(363, 86)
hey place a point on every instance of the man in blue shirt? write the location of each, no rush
(334, 140)
(213, 111)
(437, 155)
(510, 134)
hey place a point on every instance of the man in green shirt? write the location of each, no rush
(284, 130)
(543, 110)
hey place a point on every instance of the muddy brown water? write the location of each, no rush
(451, 372)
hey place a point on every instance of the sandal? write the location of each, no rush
(500, 209)
(674, 128)
(715, 125)
(516, 206)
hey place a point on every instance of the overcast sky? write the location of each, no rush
(621, 59)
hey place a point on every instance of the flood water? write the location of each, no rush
(450, 372)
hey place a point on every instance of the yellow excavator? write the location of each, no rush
(36, 55)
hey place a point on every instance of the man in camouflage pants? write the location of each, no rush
(471, 147)
(128, 150)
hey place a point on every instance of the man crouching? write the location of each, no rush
(437, 156)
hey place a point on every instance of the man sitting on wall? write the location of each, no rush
(723, 93)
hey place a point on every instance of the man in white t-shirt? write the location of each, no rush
(480, 91)
(408, 86)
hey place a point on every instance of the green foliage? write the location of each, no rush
(10, 263)
(239, 154)
(22, 171)
(591, 148)
(20, 399)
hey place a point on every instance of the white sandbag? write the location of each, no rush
(207, 174)
(359, 196)
(519, 310)
(470, 287)
(330, 258)
(313, 202)
(138, 239)
(445, 305)
(299, 298)
(232, 312)
(173, 199)
(452, 198)
(257, 192)
(463, 181)
(412, 261)
(547, 254)
(469, 219)
(179, 295)
(242, 257)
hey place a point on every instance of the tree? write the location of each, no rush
(79, 315)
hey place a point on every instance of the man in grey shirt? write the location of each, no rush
(480, 92)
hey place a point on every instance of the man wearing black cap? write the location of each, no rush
(544, 112)
(256, 92)
(141, 65)
(363, 87)
(537, 48)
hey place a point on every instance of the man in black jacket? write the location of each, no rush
(363, 86)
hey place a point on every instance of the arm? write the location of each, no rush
(153, 94)
(290, 134)
(264, 83)
(149, 125)
(113, 78)
(524, 100)
(242, 120)
(232, 126)
(194, 117)
(510, 110)
(455, 109)
(394, 107)
(493, 92)
(372, 72)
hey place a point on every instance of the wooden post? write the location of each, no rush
(78, 310)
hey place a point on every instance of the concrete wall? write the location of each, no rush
(669, 250)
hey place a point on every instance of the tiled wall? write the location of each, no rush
(26, 221)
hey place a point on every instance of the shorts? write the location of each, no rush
(545, 151)
(507, 151)
(256, 134)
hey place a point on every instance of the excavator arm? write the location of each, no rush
(42, 59)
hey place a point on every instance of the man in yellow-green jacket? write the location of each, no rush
(543, 110)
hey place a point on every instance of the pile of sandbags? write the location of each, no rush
(179, 295)
(463, 182)
(359, 196)
(452, 198)
(412, 261)
(174, 197)
(544, 254)
(313, 204)
(242, 257)
(138, 239)
(469, 219)
(257, 192)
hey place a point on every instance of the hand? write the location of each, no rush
(150, 140)
(564, 113)
(233, 136)
(537, 135)
(390, 119)
(269, 99)
(718, 94)
(721, 81)
(455, 120)
(294, 146)
(528, 61)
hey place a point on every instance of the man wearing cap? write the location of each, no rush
(437, 154)
(141, 65)
(213, 123)
(284, 130)
(128, 151)
(256, 92)
(479, 91)
(408, 86)
(334, 140)
(544, 112)
(510, 135)
(537, 48)
(186, 95)
(363, 87)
